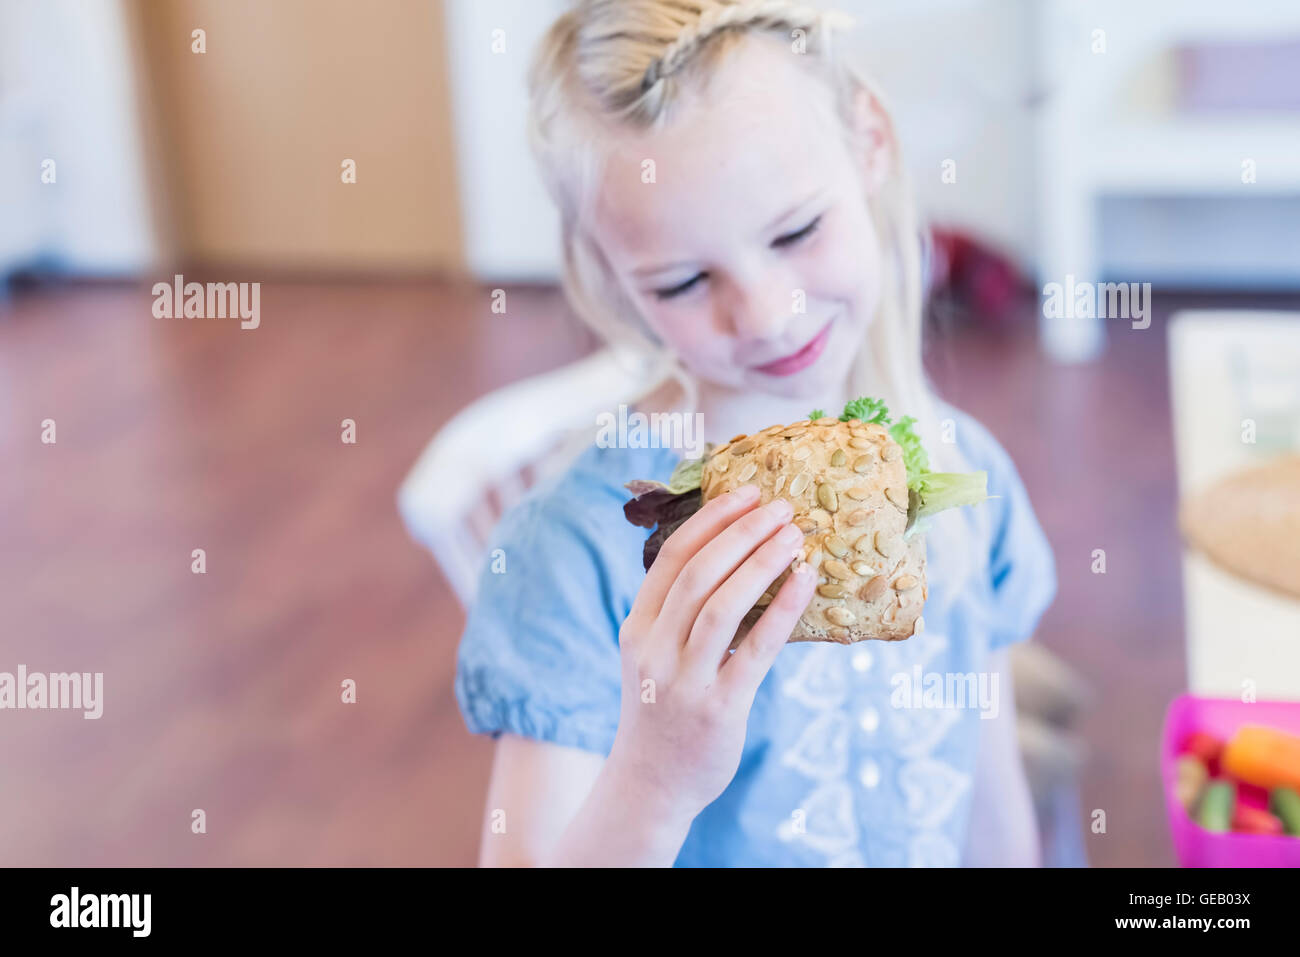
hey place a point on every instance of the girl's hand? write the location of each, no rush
(686, 700)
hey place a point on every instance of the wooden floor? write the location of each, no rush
(222, 690)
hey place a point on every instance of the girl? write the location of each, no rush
(733, 203)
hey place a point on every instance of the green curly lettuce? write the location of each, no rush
(866, 410)
(928, 492)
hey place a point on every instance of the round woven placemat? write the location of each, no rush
(1249, 523)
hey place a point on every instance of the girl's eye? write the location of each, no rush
(678, 289)
(789, 239)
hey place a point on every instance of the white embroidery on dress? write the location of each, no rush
(931, 790)
(931, 849)
(917, 731)
(896, 656)
(822, 750)
(820, 682)
(829, 825)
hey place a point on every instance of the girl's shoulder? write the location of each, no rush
(539, 655)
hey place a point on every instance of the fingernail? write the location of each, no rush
(780, 508)
(789, 535)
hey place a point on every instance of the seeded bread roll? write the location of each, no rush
(848, 485)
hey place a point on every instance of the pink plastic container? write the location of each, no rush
(1195, 846)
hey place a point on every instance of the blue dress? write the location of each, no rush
(848, 761)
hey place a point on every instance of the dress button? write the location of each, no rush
(861, 660)
(870, 720)
(869, 774)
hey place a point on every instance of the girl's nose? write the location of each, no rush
(760, 308)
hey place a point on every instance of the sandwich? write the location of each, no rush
(862, 490)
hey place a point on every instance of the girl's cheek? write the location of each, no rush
(848, 257)
(689, 332)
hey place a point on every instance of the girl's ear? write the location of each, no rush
(874, 137)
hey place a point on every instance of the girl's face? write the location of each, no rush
(751, 251)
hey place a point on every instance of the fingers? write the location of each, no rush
(716, 624)
(743, 672)
(681, 546)
(715, 562)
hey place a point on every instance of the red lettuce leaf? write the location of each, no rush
(655, 507)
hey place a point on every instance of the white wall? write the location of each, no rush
(66, 94)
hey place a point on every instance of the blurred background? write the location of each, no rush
(1048, 141)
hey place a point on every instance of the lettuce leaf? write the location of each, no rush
(664, 507)
(938, 491)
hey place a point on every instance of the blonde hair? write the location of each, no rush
(607, 65)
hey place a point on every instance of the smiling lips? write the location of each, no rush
(801, 359)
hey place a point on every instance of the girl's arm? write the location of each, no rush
(568, 807)
(1003, 829)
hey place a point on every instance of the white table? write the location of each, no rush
(1226, 367)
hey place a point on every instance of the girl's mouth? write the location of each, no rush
(799, 360)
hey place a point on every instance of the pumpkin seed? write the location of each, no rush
(861, 568)
(720, 465)
(748, 472)
(826, 495)
(799, 483)
(780, 481)
(904, 582)
(840, 634)
(830, 590)
(802, 452)
(820, 516)
(794, 433)
(862, 464)
(736, 438)
(898, 495)
(837, 569)
(774, 460)
(840, 616)
(805, 524)
(741, 447)
(827, 420)
(859, 516)
(886, 545)
(801, 422)
(873, 589)
(853, 423)
(859, 493)
(722, 448)
(891, 452)
(837, 458)
(771, 430)
(864, 544)
(918, 626)
(861, 443)
(836, 546)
